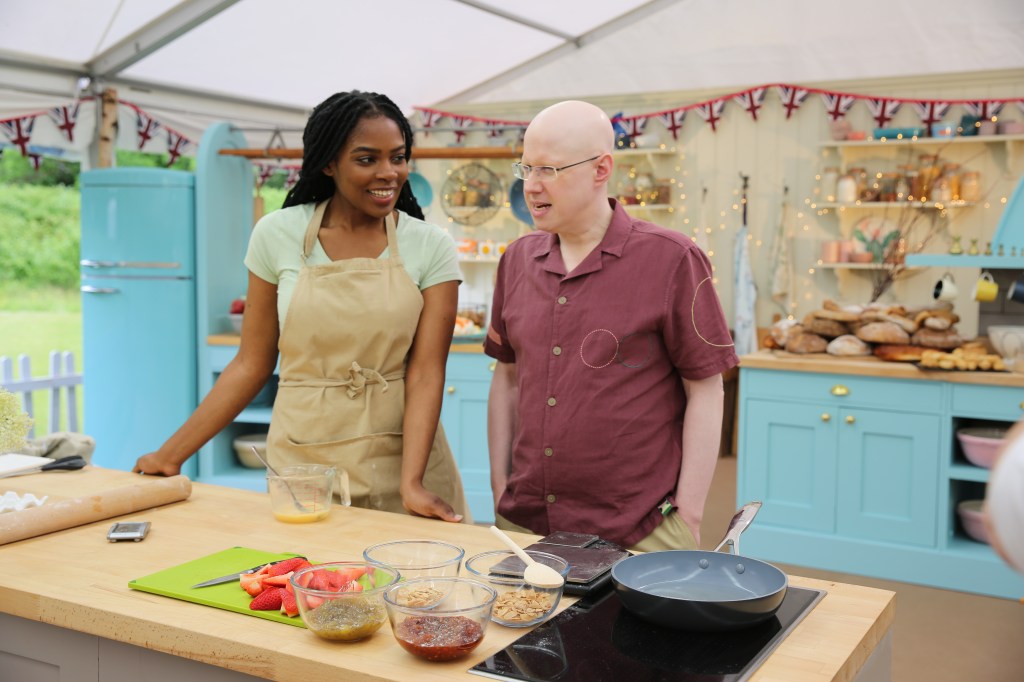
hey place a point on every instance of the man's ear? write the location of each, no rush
(603, 169)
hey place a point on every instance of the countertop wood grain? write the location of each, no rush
(76, 579)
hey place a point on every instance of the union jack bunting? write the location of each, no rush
(791, 98)
(751, 101)
(633, 125)
(711, 112)
(461, 123)
(429, 119)
(146, 127)
(64, 118)
(494, 128)
(293, 177)
(984, 109)
(673, 121)
(36, 160)
(931, 113)
(18, 131)
(837, 104)
(883, 109)
(263, 173)
(176, 146)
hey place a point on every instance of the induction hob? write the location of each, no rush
(596, 640)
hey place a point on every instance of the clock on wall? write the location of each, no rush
(472, 194)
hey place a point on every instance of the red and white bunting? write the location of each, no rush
(263, 173)
(146, 127)
(633, 125)
(36, 159)
(429, 119)
(64, 118)
(792, 98)
(984, 110)
(293, 177)
(837, 104)
(494, 128)
(883, 109)
(931, 113)
(462, 124)
(176, 146)
(711, 112)
(673, 121)
(751, 101)
(19, 131)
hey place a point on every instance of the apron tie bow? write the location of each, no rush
(357, 379)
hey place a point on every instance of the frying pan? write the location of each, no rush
(708, 591)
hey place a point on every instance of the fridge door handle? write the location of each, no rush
(86, 289)
(86, 263)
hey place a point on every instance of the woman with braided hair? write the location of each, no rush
(359, 296)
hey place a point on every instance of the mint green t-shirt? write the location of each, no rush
(275, 252)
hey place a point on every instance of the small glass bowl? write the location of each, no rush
(519, 604)
(331, 608)
(439, 619)
(418, 558)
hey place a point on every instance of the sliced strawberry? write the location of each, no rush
(277, 580)
(313, 601)
(253, 584)
(268, 600)
(337, 580)
(289, 606)
(320, 581)
(286, 566)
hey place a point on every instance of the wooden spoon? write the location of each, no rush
(537, 574)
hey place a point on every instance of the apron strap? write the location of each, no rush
(356, 380)
(313, 231)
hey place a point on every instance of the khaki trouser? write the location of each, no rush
(671, 533)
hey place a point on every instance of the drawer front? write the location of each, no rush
(988, 402)
(837, 390)
(220, 356)
(474, 366)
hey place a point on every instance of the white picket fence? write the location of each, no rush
(62, 377)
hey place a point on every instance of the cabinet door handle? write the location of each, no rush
(450, 389)
(495, 364)
(840, 390)
(825, 416)
(1022, 404)
(850, 419)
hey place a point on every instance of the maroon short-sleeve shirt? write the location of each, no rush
(599, 354)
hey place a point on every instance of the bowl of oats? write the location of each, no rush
(519, 604)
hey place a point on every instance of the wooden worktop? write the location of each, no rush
(234, 339)
(872, 367)
(75, 579)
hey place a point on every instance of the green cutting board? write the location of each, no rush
(177, 582)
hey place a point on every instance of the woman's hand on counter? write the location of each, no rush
(421, 502)
(156, 465)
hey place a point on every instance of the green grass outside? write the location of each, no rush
(56, 325)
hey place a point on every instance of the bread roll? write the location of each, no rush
(848, 344)
(805, 342)
(899, 352)
(933, 338)
(883, 332)
(829, 329)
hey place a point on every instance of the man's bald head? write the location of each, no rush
(566, 130)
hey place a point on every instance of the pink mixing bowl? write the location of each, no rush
(980, 444)
(973, 519)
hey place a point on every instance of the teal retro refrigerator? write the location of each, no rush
(138, 255)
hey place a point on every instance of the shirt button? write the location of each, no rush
(551, 498)
(551, 402)
(557, 350)
(548, 451)
(562, 300)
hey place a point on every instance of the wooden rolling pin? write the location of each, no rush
(79, 511)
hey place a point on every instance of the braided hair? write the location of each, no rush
(328, 129)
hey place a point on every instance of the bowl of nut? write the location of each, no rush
(519, 604)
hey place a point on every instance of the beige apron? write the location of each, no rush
(341, 396)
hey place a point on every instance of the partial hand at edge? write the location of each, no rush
(421, 502)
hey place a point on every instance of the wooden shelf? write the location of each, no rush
(858, 266)
(896, 204)
(926, 141)
(945, 260)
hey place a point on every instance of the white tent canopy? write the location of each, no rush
(264, 63)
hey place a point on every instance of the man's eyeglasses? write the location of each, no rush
(523, 172)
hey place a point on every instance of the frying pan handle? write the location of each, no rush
(738, 524)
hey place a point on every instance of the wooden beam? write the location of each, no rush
(108, 129)
(418, 153)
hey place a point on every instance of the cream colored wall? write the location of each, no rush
(776, 152)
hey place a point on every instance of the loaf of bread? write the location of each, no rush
(805, 342)
(827, 328)
(892, 352)
(933, 338)
(848, 344)
(883, 332)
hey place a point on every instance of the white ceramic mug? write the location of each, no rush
(945, 289)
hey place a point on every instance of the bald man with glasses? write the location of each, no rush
(605, 409)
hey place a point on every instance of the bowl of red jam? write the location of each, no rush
(439, 619)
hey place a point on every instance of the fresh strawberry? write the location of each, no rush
(289, 606)
(320, 581)
(269, 600)
(252, 583)
(337, 579)
(277, 580)
(286, 566)
(313, 601)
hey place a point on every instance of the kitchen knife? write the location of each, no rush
(70, 463)
(235, 576)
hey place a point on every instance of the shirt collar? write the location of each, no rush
(613, 243)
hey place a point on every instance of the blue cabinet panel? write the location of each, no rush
(842, 390)
(988, 402)
(464, 416)
(794, 470)
(888, 468)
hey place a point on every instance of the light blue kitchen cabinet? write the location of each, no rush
(464, 417)
(862, 474)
